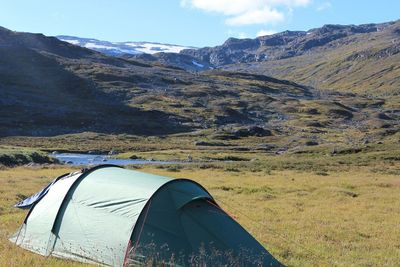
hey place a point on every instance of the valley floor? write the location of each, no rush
(345, 215)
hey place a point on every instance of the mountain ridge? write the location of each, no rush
(329, 53)
(121, 48)
(50, 88)
(358, 59)
(65, 88)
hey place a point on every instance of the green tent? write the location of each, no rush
(113, 216)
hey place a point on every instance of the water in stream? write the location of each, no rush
(76, 159)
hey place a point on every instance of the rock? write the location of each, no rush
(225, 137)
(315, 124)
(313, 111)
(388, 132)
(266, 147)
(281, 151)
(241, 149)
(112, 152)
(340, 114)
(311, 143)
(383, 116)
(252, 131)
(135, 157)
(204, 143)
(366, 141)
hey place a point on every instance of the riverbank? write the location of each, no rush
(17, 156)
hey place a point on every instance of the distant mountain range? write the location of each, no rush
(167, 54)
(51, 87)
(349, 58)
(331, 80)
(120, 48)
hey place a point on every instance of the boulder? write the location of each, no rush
(340, 114)
(252, 131)
(311, 143)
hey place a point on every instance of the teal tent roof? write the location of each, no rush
(113, 216)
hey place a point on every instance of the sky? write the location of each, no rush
(195, 23)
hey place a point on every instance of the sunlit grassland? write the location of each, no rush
(334, 216)
(16, 183)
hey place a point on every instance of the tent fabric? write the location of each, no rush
(35, 233)
(32, 200)
(115, 217)
(196, 230)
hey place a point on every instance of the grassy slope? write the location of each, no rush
(13, 156)
(67, 89)
(306, 210)
(360, 64)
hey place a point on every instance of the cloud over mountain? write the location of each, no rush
(248, 12)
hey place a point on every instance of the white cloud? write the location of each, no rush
(227, 7)
(247, 12)
(251, 17)
(323, 6)
(265, 32)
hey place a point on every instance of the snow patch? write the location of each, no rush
(197, 64)
(97, 46)
(152, 48)
(74, 42)
(118, 48)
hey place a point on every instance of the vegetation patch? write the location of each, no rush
(11, 157)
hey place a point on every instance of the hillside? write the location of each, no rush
(45, 90)
(361, 60)
(50, 88)
(348, 58)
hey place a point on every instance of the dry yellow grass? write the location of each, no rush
(346, 218)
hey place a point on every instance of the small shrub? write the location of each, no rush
(230, 169)
(175, 168)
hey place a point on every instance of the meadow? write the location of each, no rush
(311, 170)
(316, 210)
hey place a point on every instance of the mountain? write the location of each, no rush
(46, 91)
(51, 87)
(349, 58)
(359, 59)
(166, 54)
(121, 48)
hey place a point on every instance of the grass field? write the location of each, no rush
(334, 216)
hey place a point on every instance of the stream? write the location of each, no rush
(76, 159)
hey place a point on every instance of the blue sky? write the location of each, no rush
(186, 22)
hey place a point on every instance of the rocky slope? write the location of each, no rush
(349, 58)
(363, 59)
(51, 87)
